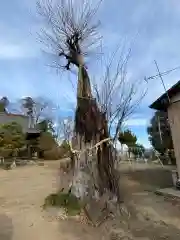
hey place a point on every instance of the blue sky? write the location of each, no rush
(24, 70)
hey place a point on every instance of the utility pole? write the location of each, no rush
(162, 81)
(159, 127)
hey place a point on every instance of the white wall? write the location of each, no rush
(175, 98)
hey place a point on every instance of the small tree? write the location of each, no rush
(160, 135)
(138, 150)
(127, 137)
(11, 138)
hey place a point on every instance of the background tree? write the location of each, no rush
(37, 109)
(127, 137)
(11, 139)
(138, 150)
(160, 134)
(65, 129)
(46, 141)
(47, 125)
(4, 102)
(48, 147)
(46, 144)
(28, 105)
(64, 133)
(149, 154)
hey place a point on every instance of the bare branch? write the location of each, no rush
(37, 108)
(64, 129)
(71, 29)
(117, 96)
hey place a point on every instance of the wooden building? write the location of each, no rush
(170, 102)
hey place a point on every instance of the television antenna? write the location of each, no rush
(160, 75)
(162, 81)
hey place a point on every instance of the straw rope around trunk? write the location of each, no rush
(91, 125)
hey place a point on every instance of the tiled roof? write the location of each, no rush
(162, 102)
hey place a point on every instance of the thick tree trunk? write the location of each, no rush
(91, 127)
(85, 173)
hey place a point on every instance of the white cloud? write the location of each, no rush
(14, 51)
(136, 122)
(144, 141)
(18, 42)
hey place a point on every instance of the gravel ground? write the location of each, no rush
(21, 217)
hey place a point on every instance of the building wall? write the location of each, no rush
(174, 120)
(175, 98)
(22, 120)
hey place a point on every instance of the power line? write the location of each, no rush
(162, 81)
(159, 128)
(162, 74)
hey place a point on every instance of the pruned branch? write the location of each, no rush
(71, 29)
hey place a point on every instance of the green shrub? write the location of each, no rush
(47, 142)
(68, 201)
(23, 152)
(6, 153)
(52, 154)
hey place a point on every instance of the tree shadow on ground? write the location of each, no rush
(148, 215)
(142, 226)
(6, 227)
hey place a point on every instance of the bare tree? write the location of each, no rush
(71, 34)
(64, 129)
(117, 95)
(37, 109)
